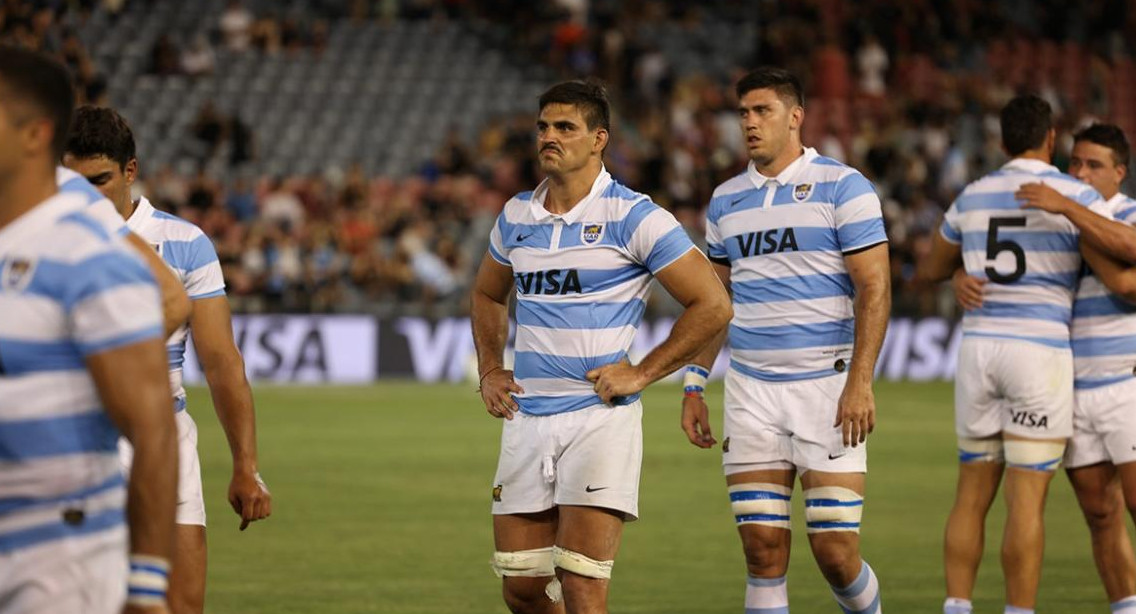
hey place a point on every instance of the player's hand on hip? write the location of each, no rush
(968, 289)
(249, 496)
(616, 380)
(1040, 196)
(696, 422)
(497, 389)
(856, 412)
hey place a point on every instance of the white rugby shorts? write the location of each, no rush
(1104, 426)
(75, 575)
(1016, 387)
(191, 500)
(788, 423)
(587, 457)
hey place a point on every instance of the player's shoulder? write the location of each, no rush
(824, 169)
(174, 228)
(1125, 209)
(726, 192)
(618, 201)
(518, 206)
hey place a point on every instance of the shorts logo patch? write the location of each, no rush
(802, 192)
(726, 445)
(497, 493)
(840, 365)
(1029, 419)
(17, 274)
(591, 233)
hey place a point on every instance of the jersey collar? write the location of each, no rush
(142, 212)
(786, 176)
(603, 180)
(1029, 165)
(39, 217)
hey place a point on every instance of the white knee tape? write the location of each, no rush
(1036, 455)
(524, 563)
(580, 564)
(758, 503)
(833, 508)
(980, 450)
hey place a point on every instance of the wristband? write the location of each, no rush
(694, 380)
(148, 581)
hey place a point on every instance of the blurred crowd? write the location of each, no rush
(907, 91)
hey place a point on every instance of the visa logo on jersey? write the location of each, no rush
(552, 281)
(771, 241)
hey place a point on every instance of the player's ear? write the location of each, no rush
(796, 117)
(131, 171)
(600, 143)
(37, 135)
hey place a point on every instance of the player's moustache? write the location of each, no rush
(551, 147)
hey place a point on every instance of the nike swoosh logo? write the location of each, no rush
(523, 237)
(734, 202)
(589, 488)
(831, 457)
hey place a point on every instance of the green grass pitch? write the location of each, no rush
(382, 496)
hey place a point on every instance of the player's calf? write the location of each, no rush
(832, 515)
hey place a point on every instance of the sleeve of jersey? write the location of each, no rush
(112, 301)
(654, 237)
(949, 229)
(103, 211)
(715, 248)
(497, 248)
(1127, 212)
(202, 270)
(859, 218)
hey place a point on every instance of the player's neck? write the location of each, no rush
(23, 192)
(567, 190)
(787, 156)
(128, 210)
(1041, 155)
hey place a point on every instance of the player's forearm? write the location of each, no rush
(232, 400)
(1118, 277)
(709, 353)
(152, 495)
(490, 322)
(1114, 238)
(872, 308)
(701, 323)
(931, 270)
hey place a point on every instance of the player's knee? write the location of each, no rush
(1034, 455)
(981, 450)
(1102, 510)
(837, 553)
(530, 585)
(580, 564)
(528, 595)
(766, 551)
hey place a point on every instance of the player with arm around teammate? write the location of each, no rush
(580, 251)
(81, 360)
(1099, 459)
(101, 147)
(799, 240)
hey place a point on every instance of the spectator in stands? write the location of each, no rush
(198, 59)
(236, 26)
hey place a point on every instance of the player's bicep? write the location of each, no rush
(691, 278)
(869, 267)
(212, 328)
(494, 280)
(132, 385)
(941, 262)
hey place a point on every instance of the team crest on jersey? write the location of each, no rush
(591, 233)
(802, 192)
(17, 274)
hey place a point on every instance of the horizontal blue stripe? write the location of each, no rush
(546, 405)
(970, 457)
(717, 250)
(1065, 280)
(767, 376)
(1107, 305)
(832, 503)
(995, 201)
(792, 336)
(9, 505)
(1044, 466)
(554, 281)
(524, 196)
(757, 495)
(827, 161)
(154, 569)
(1124, 215)
(668, 248)
(1089, 383)
(189, 256)
(693, 389)
(765, 582)
(579, 316)
(721, 206)
(634, 218)
(760, 517)
(498, 256)
(872, 608)
(860, 234)
(851, 187)
(1128, 604)
(123, 340)
(1023, 311)
(87, 223)
(858, 585)
(179, 404)
(950, 233)
(832, 525)
(80, 185)
(23, 357)
(25, 440)
(1104, 346)
(70, 284)
(135, 591)
(1046, 341)
(698, 370)
(776, 610)
(175, 355)
(610, 235)
(205, 295)
(34, 536)
(803, 288)
(529, 365)
(1029, 241)
(806, 239)
(513, 236)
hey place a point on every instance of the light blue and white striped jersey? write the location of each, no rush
(100, 207)
(1104, 325)
(582, 280)
(1030, 257)
(785, 239)
(190, 253)
(69, 290)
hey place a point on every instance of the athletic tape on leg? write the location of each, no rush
(523, 563)
(580, 564)
(760, 503)
(1035, 455)
(833, 508)
(980, 450)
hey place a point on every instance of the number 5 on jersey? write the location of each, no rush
(995, 247)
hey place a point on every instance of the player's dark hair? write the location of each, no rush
(100, 131)
(1107, 135)
(37, 79)
(589, 97)
(1026, 120)
(785, 83)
